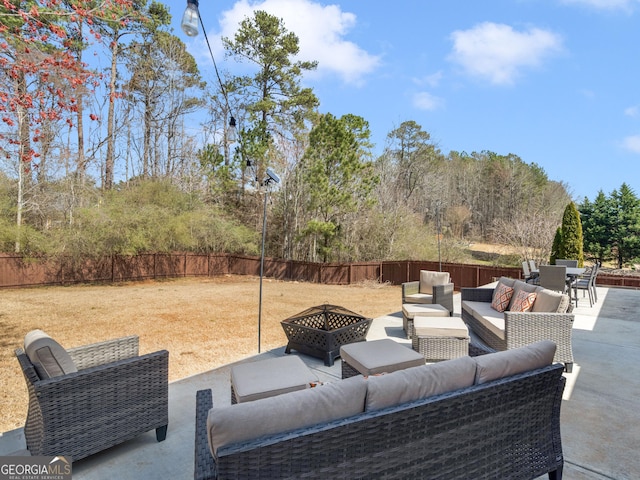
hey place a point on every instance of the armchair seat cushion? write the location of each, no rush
(424, 298)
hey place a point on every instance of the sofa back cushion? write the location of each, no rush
(509, 282)
(47, 356)
(282, 413)
(428, 279)
(550, 301)
(511, 362)
(415, 383)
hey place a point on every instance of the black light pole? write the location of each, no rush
(272, 178)
(439, 229)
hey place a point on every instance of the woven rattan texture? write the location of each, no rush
(348, 370)
(98, 407)
(509, 428)
(522, 328)
(435, 349)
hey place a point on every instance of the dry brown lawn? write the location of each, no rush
(203, 323)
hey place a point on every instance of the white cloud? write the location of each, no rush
(499, 53)
(626, 5)
(632, 111)
(432, 80)
(321, 31)
(585, 92)
(426, 101)
(632, 143)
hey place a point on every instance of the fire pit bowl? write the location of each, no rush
(320, 331)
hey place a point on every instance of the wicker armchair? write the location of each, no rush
(113, 396)
(440, 293)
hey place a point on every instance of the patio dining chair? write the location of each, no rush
(587, 283)
(87, 399)
(528, 276)
(553, 277)
(567, 263)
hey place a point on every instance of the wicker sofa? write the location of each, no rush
(86, 399)
(480, 417)
(550, 318)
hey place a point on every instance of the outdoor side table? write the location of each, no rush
(440, 338)
(412, 310)
(267, 378)
(377, 356)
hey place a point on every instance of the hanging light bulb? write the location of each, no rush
(232, 134)
(190, 18)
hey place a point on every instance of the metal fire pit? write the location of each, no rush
(321, 331)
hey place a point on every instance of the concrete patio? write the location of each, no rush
(600, 412)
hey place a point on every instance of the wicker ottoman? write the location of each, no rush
(440, 338)
(412, 310)
(377, 356)
(267, 378)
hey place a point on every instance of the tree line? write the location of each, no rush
(611, 226)
(139, 155)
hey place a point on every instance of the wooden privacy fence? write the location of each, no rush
(17, 271)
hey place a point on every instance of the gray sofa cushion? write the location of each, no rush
(266, 378)
(419, 382)
(47, 355)
(550, 301)
(507, 281)
(282, 413)
(511, 362)
(380, 356)
(487, 316)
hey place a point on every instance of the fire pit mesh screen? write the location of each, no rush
(320, 331)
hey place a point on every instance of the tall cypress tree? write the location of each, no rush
(572, 242)
(556, 247)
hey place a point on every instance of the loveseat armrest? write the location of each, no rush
(410, 288)
(523, 328)
(205, 466)
(101, 353)
(443, 295)
(477, 294)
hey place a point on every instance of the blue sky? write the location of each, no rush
(556, 82)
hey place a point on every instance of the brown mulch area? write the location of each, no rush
(203, 323)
